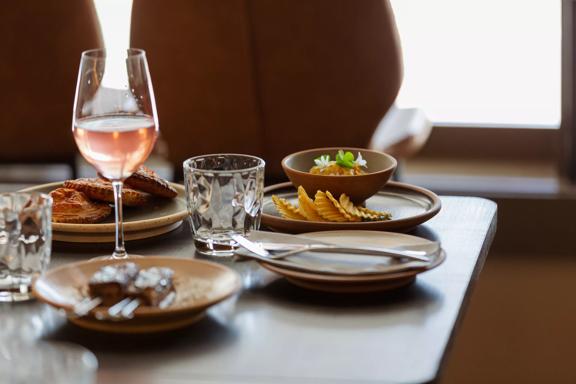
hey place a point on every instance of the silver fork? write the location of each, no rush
(83, 307)
(416, 252)
(122, 310)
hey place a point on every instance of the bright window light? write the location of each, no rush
(482, 62)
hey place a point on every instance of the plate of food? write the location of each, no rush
(344, 188)
(83, 208)
(137, 295)
(395, 207)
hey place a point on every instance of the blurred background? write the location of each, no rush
(473, 97)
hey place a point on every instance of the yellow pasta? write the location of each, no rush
(306, 206)
(363, 214)
(286, 210)
(352, 210)
(340, 208)
(327, 210)
(381, 215)
(325, 207)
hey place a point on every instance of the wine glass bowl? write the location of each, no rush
(115, 124)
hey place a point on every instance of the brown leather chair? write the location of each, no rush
(39, 58)
(268, 77)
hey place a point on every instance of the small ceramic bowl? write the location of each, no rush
(380, 167)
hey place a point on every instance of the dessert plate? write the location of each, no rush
(159, 217)
(410, 206)
(198, 284)
(390, 276)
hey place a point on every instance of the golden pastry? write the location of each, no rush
(145, 179)
(101, 190)
(71, 206)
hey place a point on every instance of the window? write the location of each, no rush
(482, 62)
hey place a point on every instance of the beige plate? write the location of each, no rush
(144, 325)
(199, 285)
(76, 237)
(139, 222)
(360, 283)
(410, 206)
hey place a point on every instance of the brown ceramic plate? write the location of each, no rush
(79, 237)
(162, 216)
(380, 167)
(199, 285)
(410, 206)
(359, 283)
(143, 325)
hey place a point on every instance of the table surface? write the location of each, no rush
(274, 332)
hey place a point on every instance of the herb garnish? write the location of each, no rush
(322, 161)
(345, 159)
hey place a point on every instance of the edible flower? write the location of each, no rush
(322, 161)
(345, 160)
(360, 161)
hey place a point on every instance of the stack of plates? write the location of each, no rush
(160, 217)
(349, 273)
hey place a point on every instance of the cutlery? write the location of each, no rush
(128, 311)
(122, 310)
(167, 300)
(420, 253)
(86, 305)
(115, 310)
(427, 249)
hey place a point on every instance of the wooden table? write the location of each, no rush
(275, 332)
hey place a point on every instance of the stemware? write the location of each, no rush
(115, 123)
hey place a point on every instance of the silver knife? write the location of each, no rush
(250, 245)
(328, 247)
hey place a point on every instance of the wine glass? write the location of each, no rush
(115, 124)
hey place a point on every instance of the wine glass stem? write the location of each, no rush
(119, 250)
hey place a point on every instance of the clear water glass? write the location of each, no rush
(224, 194)
(25, 242)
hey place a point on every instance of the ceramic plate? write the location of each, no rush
(139, 222)
(199, 285)
(139, 326)
(410, 206)
(356, 283)
(348, 263)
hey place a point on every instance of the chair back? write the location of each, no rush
(41, 46)
(268, 77)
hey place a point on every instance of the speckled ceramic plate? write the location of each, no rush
(356, 283)
(139, 222)
(410, 206)
(199, 284)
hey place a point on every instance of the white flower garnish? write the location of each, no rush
(323, 161)
(360, 161)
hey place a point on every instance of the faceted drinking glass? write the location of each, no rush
(224, 194)
(25, 242)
